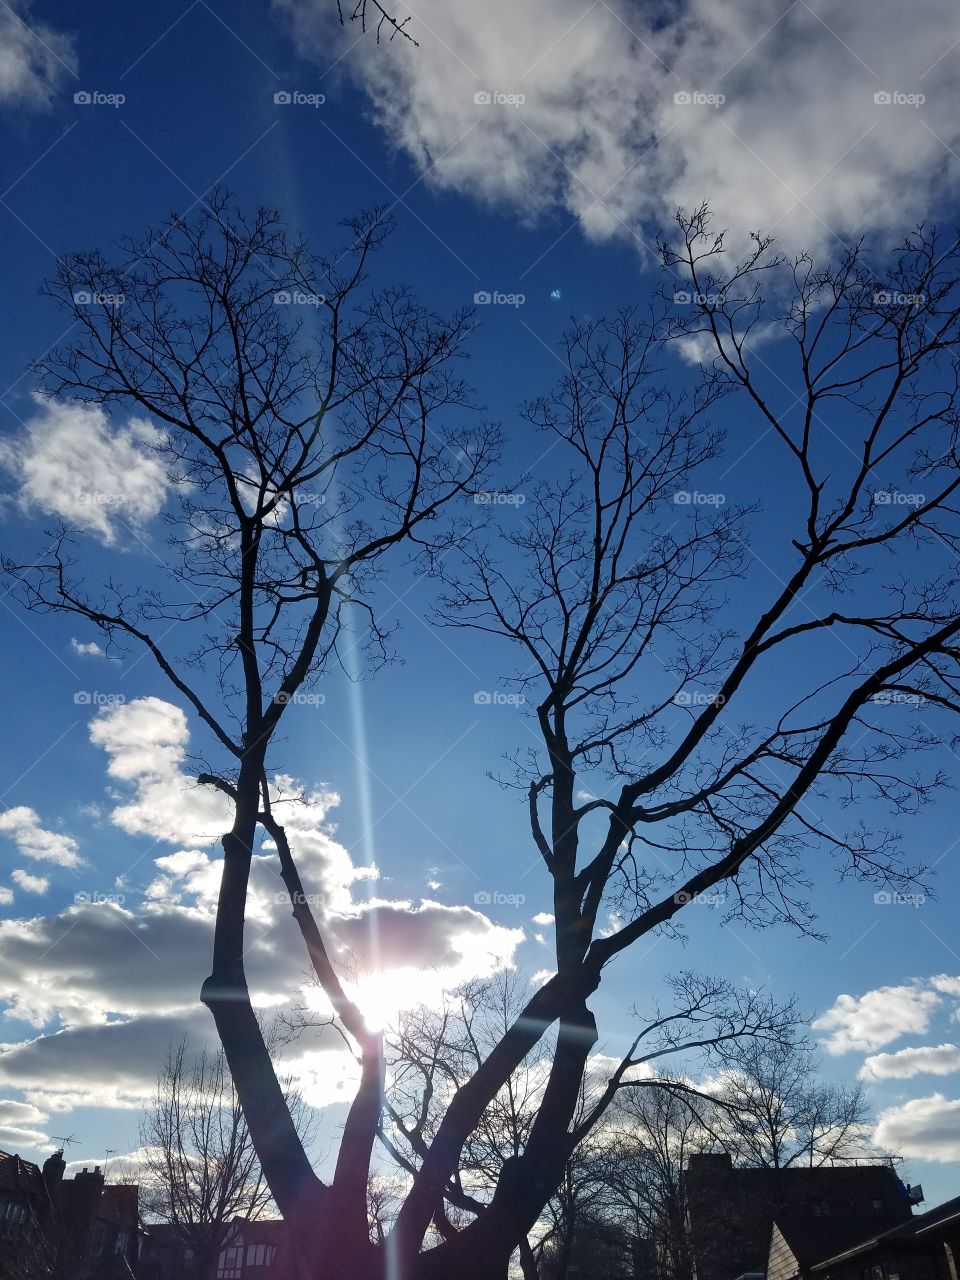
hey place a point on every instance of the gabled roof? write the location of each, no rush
(20, 1175)
(813, 1238)
(731, 1211)
(917, 1226)
(260, 1231)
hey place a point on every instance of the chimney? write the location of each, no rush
(53, 1170)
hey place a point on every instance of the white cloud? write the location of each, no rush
(922, 1129)
(88, 649)
(22, 825)
(34, 59)
(18, 1121)
(798, 146)
(29, 883)
(72, 462)
(116, 975)
(146, 741)
(935, 1060)
(543, 918)
(874, 1019)
(6, 896)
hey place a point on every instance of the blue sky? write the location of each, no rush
(558, 206)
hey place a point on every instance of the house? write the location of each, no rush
(164, 1255)
(24, 1197)
(249, 1249)
(731, 1212)
(98, 1227)
(78, 1228)
(927, 1247)
(26, 1210)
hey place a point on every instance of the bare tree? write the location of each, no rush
(638, 669)
(302, 454)
(655, 1131)
(434, 1052)
(200, 1169)
(375, 16)
(781, 1113)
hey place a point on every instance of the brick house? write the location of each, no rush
(731, 1212)
(249, 1249)
(927, 1247)
(78, 1228)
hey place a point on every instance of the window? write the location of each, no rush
(230, 1265)
(100, 1239)
(12, 1217)
(121, 1242)
(256, 1255)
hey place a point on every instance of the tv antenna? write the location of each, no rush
(67, 1140)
